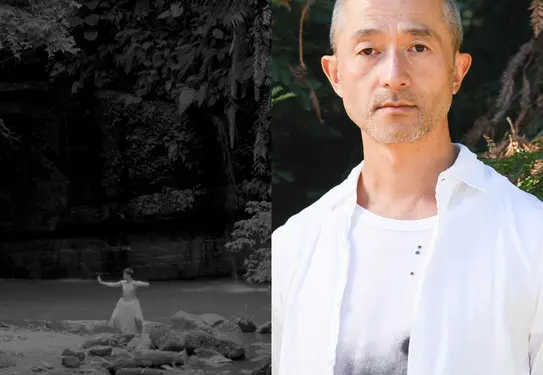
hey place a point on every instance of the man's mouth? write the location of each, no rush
(396, 107)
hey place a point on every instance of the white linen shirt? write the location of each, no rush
(479, 304)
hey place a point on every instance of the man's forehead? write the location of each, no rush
(400, 9)
(395, 4)
(372, 17)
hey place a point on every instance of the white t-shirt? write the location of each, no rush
(377, 309)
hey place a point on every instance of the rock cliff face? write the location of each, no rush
(153, 257)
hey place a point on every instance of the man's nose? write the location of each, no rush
(395, 70)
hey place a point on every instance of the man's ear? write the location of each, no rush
(330, 68)
(462, 64)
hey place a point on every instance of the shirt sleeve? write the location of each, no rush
(278, 250)
(536, 332)
(284, 260)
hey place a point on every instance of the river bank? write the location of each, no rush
(28, 347)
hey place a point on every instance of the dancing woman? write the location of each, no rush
(127, 316)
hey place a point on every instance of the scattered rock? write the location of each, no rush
(265, 328)
(228, 348)
(246, 324)
(60, 372)
(82, 326)
(229, 326)
(120, 353)
(185, 321)
(206, 353)
(265, 369)
(47, 365)
(71, 362)
(164, 338)
(197, 363)
(72, 353)
(218, 360)
(100, 351)
(148, 358)
(108, 340)
(158, 358)
(212, 319)
(138, 371)
(140, 343)
(6, 362)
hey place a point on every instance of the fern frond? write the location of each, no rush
(536, 7)
(508, 80)
(202, 91)
(187, 96)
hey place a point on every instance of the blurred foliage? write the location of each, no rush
(252, 237)
(316, 144)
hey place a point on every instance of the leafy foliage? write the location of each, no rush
(165, 90)
(253, 235)
(519, 155)
(520, 160)
(207, 55)
(28, 24)
(168, 201)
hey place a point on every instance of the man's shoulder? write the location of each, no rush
(290, 241)
(311, 218)
(519, 202)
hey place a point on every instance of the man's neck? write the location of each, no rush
(398, 181)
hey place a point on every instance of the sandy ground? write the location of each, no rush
(32, 350)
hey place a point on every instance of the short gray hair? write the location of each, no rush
(450, 14)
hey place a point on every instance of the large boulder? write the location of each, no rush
(185, 321)
(74, 353)
(71, 362)
(229, 326)
(100, 351)
(212, 319)
(206, 353)
(245, 324)
(163, 337)
(228, 348)
(264, 328)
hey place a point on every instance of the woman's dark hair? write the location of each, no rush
(129, 271)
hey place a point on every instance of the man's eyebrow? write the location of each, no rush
(414, 31)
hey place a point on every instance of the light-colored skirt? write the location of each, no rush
(127, 317)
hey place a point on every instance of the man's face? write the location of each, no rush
(395, 68)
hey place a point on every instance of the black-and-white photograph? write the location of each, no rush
(135, 188)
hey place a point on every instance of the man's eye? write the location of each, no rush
(420, 47)
(367, 51)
